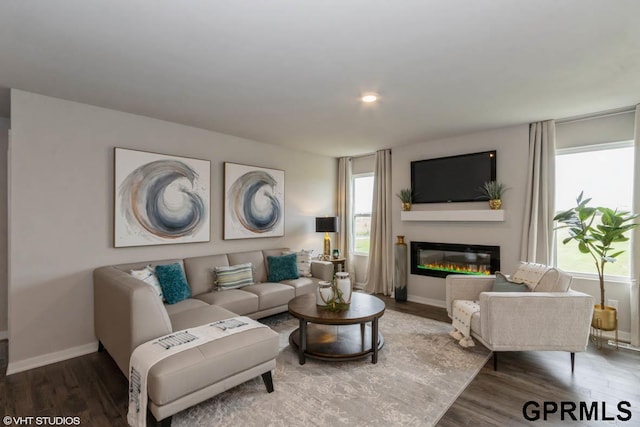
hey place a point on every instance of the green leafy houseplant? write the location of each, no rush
(404, 195)
(596, 240)
(493, 189)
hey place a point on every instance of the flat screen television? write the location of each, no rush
(452, 179)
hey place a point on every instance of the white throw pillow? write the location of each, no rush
(303, 262)
(148, 275)
(529, 273)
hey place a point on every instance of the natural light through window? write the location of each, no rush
(362, 202)
(605, 174)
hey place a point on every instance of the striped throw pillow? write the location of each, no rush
(235, 276)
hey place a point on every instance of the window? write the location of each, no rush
(362, 203)
(605, 173)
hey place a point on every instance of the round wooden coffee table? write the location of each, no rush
(342, 335)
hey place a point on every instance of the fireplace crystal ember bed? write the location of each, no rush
(442, 259)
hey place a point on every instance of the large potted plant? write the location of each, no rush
(597, 239)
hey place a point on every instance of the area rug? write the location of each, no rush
(420, 372)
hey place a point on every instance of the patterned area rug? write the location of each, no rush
(420, 372)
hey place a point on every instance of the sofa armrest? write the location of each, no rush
(322, 270)
(127, 313)
(465, 287)
(514, 321)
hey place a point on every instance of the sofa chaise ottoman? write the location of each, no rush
(128, 312)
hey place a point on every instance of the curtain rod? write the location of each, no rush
(602, 114)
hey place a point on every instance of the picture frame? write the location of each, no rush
(160, 199)
(253, 201)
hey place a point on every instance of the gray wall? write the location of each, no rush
(4, 145)
(512, 145)
(61, 203)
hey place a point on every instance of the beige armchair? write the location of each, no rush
(550, 316)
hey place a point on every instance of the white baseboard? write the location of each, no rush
(426, 301)
(4, 335)
(47, 359)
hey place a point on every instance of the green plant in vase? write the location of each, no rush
(597, 240)
(493, 190)
(405, 197)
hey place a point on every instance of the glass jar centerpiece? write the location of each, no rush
(335, 295)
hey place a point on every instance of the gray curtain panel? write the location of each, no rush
(537, 230)
(635, 250)
(345, 214)
(380, 264)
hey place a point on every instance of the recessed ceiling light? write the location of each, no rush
(370, 97)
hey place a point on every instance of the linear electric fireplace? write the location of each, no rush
(442, 259)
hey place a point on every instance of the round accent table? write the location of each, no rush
(341, 335)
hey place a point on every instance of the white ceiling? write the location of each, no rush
(290, 72)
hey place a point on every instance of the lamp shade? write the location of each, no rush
(327, 224)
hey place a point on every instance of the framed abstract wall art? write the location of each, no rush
(160, 199)
(253, 202)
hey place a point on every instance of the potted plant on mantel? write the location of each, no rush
(405, 197)
(493, 190)
(597, 240)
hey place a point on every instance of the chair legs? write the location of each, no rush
(573, 361)
(495, 361)
(268, 381)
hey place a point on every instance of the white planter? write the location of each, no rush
(324, 293)
(344, 285)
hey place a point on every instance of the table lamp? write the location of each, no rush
(326, 225)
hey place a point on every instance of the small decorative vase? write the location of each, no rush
(406, 206)
(400, 270)
(344, 286)
(324, 293)
(495, 204)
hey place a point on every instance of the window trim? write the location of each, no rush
(613, 278)
(354, 215)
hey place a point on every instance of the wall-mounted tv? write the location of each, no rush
(452, 179)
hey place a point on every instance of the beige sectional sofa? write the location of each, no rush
(129, 313)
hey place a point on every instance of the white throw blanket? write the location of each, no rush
(462, 312)
(148, 354)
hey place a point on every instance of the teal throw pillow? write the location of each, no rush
(282, 268)
(502, 284)
(173, 283)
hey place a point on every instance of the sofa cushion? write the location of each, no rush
(257, 261)
(173, 282)
(198, 316)
(196, 368)
(271, 294)
(303, 285)
(184, 305)
(235, 276)
(282, 267)
(148, 275)
(502, 284)
(235, 300)
(200, 272)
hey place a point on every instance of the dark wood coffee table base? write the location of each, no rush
(332, 342)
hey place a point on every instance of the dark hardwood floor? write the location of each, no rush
(93, 388)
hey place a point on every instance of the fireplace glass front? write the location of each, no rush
(442, 259)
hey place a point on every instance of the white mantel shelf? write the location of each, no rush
(458, 215)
